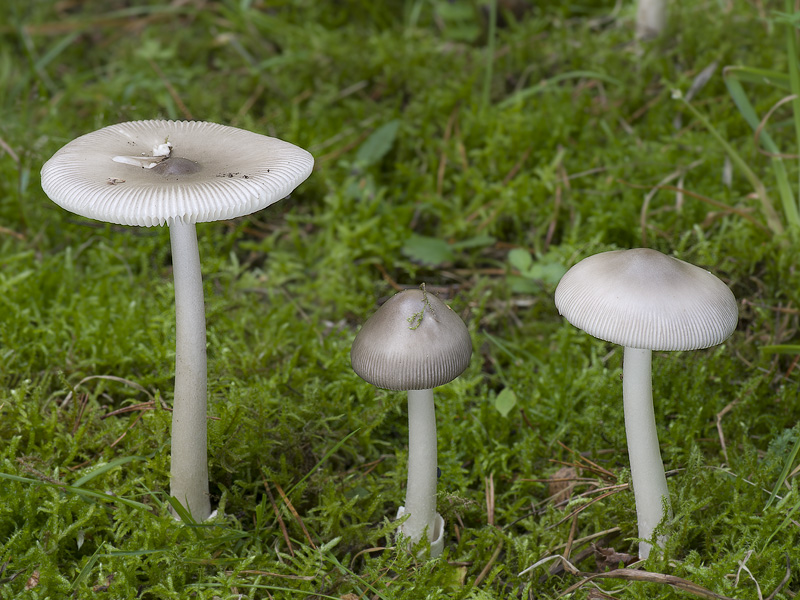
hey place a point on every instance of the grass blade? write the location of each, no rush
(543, 85)
(758, 76)
(781, 349)
(794, 82)
(749, 114)
(87, 568)
(773, 220)
(272, 588)
(784, 473)
(184, 515)
(323, 459)
(79, 491)
(105, 468)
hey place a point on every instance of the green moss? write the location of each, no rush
(308, 462)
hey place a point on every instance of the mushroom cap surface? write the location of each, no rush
(212, 172)
(641, 298)
(413, 342)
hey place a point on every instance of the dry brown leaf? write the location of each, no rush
(104, 587)
(558, 489)
(608, 558)
(32, 582)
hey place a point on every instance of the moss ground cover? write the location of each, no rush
(484, 175)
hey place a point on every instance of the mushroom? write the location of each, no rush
(645, 301)
(415, 342)
(651, 18)
(177, 173)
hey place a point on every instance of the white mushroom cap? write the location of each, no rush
(643, 299)
(413, 342)
(155, 172)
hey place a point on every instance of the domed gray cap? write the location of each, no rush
(413, 342)
(641, 298)
(154, 172)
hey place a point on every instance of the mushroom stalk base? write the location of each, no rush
(189, 466)
(422, 462)
(647, 469)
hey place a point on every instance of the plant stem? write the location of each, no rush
(773, 221)
(647, 469)
(794, 83)
(422, 462)
(189, 467)
(490, 42)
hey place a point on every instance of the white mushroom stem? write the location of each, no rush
(189, 468)
(421, 489)
(651, 18)
(647, 468)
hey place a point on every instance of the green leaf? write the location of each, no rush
(523, 285)
(547, 272)
(378, 144)
(781, 349)
(479, 241)
(520, 259)
(505, 401)
(428, 250)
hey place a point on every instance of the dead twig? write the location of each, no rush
(635, 575)
(584, 540)
(388, 277)
(489, 483)
(611, 491)
(269, 574)
(448, 131)
(762, 125)
(124, 433)
(9, 150)
(171, 90)
(721, 414)
(743, 567)
(281, 524)
(571, 537)
(517, 166)
(369, 551)
(589, 465)
(784, 581)
(11, 232)
(716, 203)
(127, 382)
(296, 515)
(485, 571)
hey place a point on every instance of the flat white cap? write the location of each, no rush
(644, 299)
(155, 172)
(413, 342)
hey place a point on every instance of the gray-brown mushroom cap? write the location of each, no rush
(413, 342)
(150, 173)
(641, 298)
